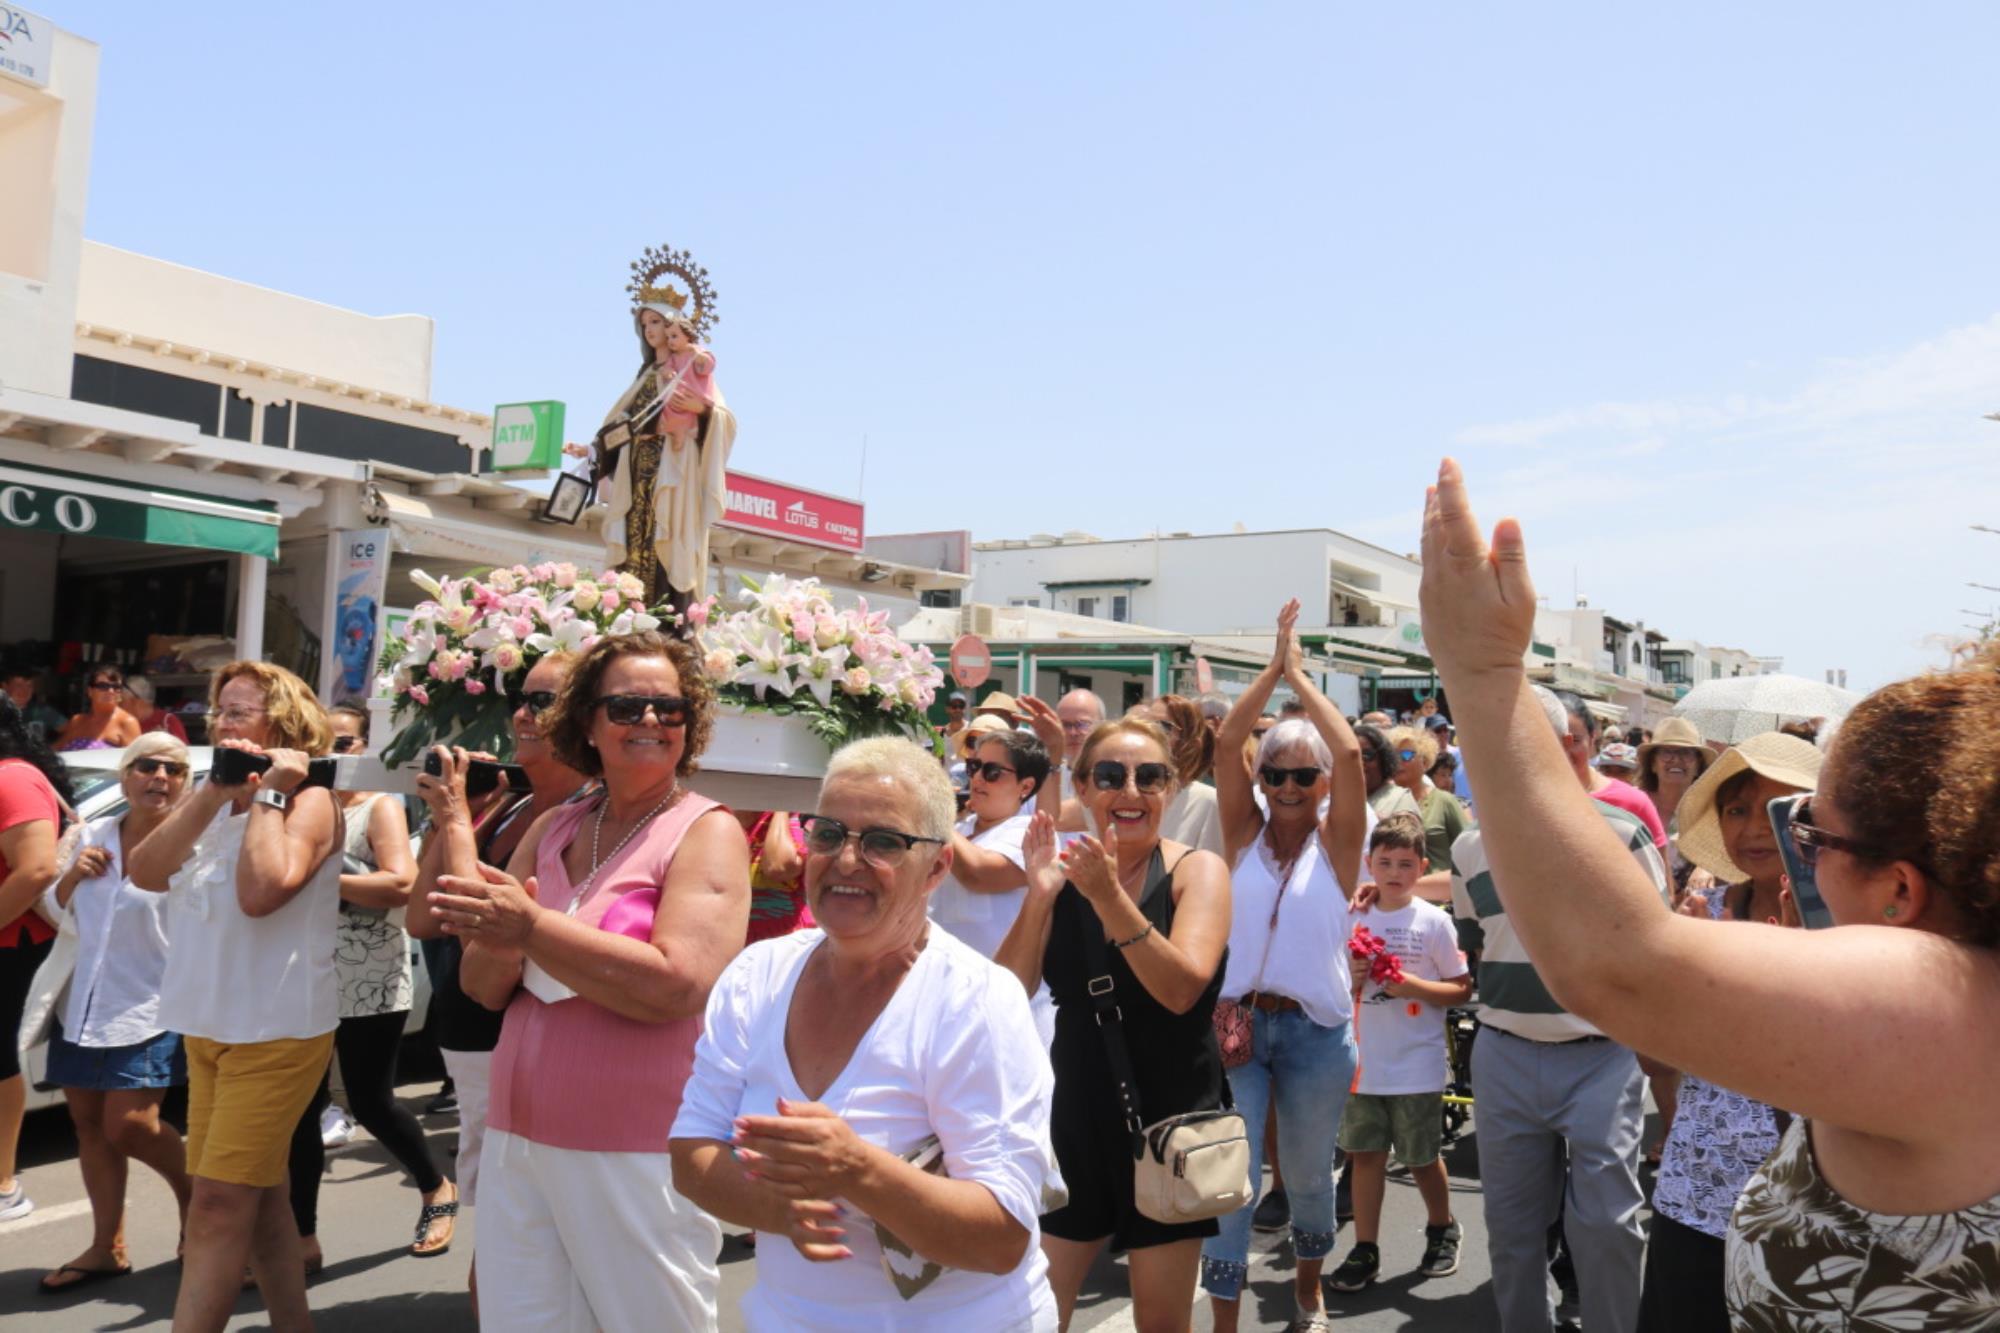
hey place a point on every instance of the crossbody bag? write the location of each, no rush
(1186, 1168)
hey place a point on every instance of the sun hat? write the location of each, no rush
(997, 703)
(979, 729)
(1677, 733)
(1779, 757)
(1618, 755)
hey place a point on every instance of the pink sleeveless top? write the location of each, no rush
(574, 1074)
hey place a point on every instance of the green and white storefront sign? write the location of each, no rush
(41, 500)
(527, 436)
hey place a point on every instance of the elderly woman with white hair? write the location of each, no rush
(871, 1094)
(107, 1049)
(1287, 985)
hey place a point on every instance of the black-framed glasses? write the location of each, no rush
(537, 701)
(347, 744)
(1299, 777)
(883, 848)
(149, 767)
(1110, 775)
(989, 770)
(629, 710)
(115, 686)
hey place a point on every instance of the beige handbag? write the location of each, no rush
(1186, 1168)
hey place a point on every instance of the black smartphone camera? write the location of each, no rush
(482, 776)
(232, 768)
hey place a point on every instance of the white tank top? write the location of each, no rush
(1307, 957)
(235, 978)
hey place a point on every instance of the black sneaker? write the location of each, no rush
(1274, 1212)
(1441, 1250)
(1362, 1266)
(445, 1103)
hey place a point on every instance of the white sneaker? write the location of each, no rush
(335, 1129)
(15, 1203)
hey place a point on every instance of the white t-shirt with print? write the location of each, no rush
(953, 1054)
(1402, 1040)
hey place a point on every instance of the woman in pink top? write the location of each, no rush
(601, 942)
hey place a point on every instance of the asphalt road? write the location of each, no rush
(370, 1285)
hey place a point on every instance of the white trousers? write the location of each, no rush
(576, 1242)
(471, 1078)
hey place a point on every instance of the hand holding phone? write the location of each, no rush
(1811, 907)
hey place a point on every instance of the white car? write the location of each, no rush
(93, 776)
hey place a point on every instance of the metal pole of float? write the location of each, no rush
(250, 583)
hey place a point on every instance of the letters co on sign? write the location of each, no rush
(27, 507)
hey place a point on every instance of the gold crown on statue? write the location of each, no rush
(696, 305)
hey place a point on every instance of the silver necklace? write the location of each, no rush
(597, 833)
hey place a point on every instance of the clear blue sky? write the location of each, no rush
(1709, 296)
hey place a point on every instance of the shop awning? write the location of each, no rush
(44, 500)
(1371, 595)
(415, 528)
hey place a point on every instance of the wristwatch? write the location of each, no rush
(270, 796)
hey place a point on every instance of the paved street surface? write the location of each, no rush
(368, 1211)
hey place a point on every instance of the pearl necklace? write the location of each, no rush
(597, 833)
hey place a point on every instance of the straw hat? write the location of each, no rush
(1779, 757)
(997, 704)
(1677, 733)
(981, 727)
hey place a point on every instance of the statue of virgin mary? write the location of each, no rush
(665, 443)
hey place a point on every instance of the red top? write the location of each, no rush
(25, 796)
(574, 1074)
(1636, 803)
(164, 720)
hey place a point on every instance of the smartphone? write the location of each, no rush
(231, 767)
(1806, 897)
(481, 775)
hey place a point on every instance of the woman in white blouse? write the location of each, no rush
(108, 1052)
(836, 1064)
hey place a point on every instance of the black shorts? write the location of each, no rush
(1096, 1162)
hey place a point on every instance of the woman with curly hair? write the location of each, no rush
(1880, 1205)
(34, 790)
(601, 941)
(251, 871)
(1191, 817)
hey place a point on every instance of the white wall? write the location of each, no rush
(44, 183)
(134, 293)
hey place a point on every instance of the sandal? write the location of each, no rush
(85, 1277)
(431, 1213)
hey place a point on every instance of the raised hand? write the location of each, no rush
(1042, 720)
(1093, 866)
(1478, 601)
(1038, 850)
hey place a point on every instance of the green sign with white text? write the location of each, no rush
(527, 436)
(42, 500)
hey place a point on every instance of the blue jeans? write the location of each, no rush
(1311, 1068)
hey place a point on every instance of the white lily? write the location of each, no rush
(427, 583)
(569, 636)
(823, 669)
(770, 665)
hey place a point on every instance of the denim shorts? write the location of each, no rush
(147, 1064)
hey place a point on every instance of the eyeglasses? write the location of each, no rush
(1078, 728)
(992, 772)
(883, 848)
(112, 685)
(147, 768)
(956, 705)
(238, 716)
(1811, 840)
(346, 744)
(1110, 775)
(629, 710)
(536, 701)
(1299, 777)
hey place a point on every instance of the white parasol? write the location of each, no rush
(1744, 706)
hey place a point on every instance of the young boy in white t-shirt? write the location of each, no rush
(1400, 1101)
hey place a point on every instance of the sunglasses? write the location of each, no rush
(147, 768)
(956, 705)
(1299, 777)
(1406, 755)
(113, 685)
(1811, 840)
(537, 701)
(992, 772)
(883, 848)
(347, 744)
(629, 710)
(1110, 775)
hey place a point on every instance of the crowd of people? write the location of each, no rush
(933, 1042)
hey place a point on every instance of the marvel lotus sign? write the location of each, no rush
(774, 509)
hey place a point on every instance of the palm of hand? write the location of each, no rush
(1478, 601)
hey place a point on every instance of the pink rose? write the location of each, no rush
(475, 686)
(564, 575)
(421, 695)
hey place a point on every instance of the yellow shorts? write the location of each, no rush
(244, 1101)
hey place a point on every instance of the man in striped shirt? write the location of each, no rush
(1545, 1081)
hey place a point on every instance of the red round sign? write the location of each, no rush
(971, 661)
(1204, 675)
